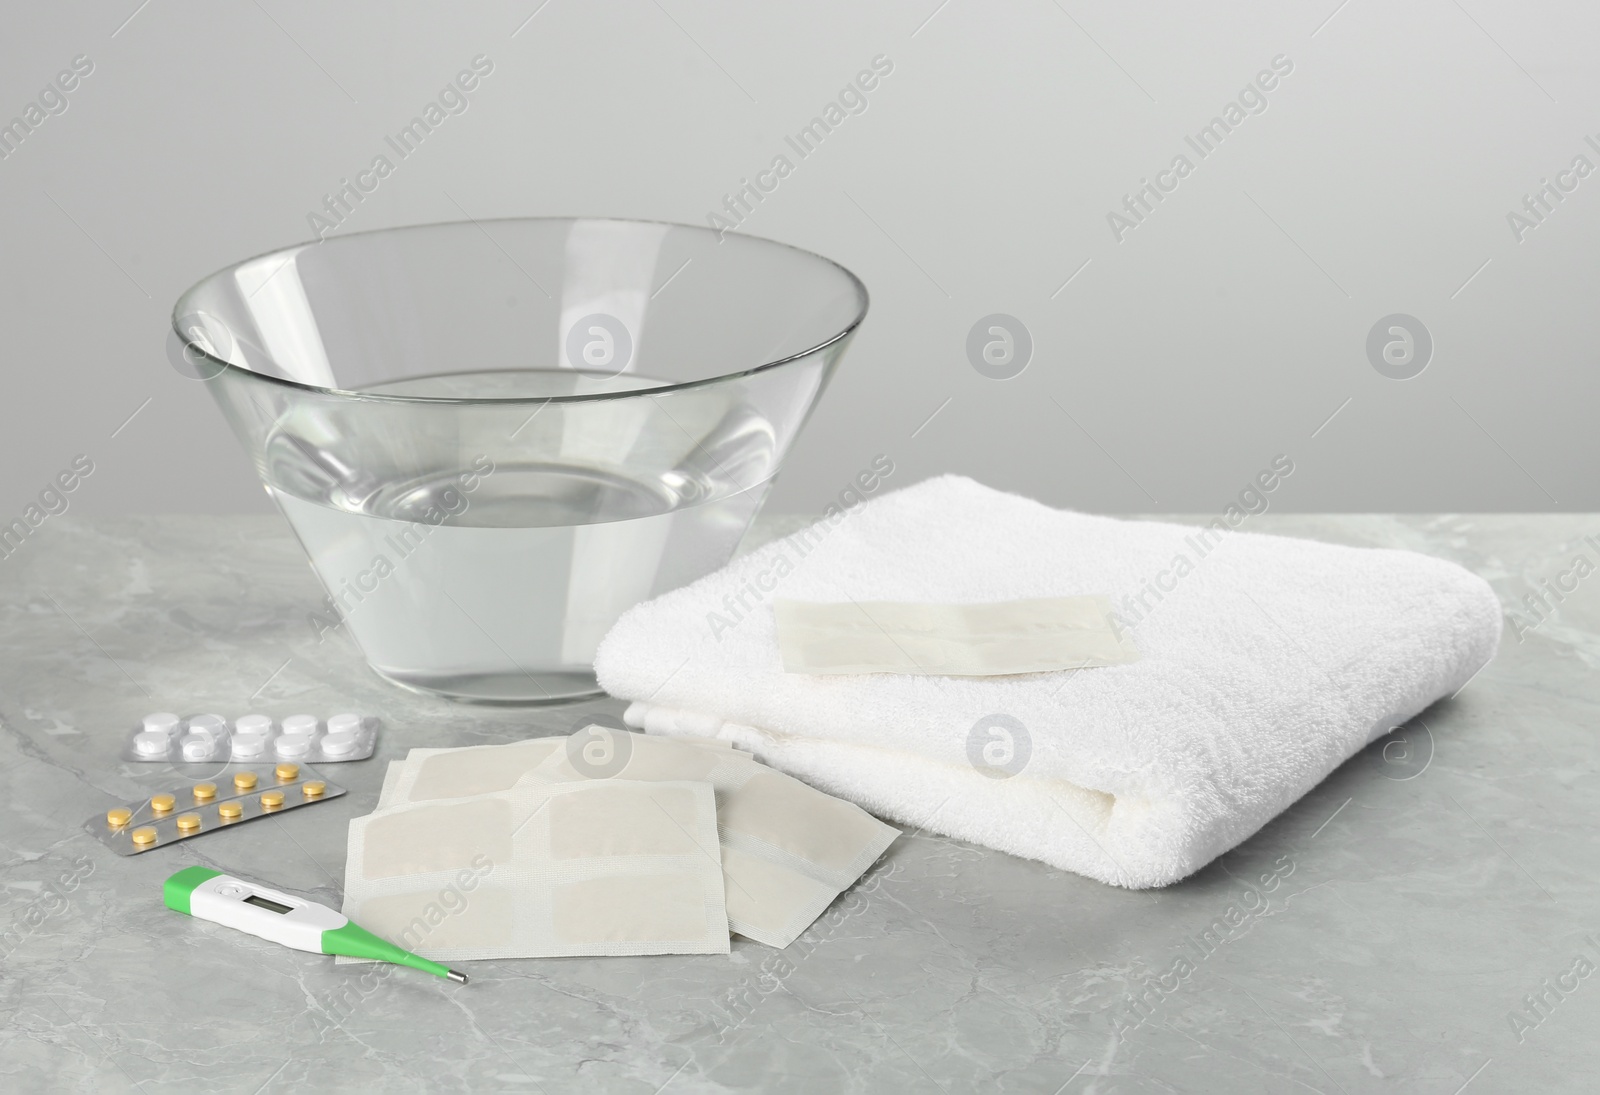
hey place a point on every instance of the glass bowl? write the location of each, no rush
(492, 438)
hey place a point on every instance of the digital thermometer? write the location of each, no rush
(284, 918)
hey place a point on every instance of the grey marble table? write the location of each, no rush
(1429, 926)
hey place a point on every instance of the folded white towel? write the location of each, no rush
(1266, 662)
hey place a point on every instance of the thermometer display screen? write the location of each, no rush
(265, 904)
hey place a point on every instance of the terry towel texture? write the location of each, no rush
(1266, 662)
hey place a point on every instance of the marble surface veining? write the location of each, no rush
(1426, 920)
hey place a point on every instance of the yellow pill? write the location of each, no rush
(244, 780)
(287, 772)
(205, 792)
(188, 823)
(313, 789)
(119, 816)
(144, 837)
(162, 803)
(230, 811)
(271, 800)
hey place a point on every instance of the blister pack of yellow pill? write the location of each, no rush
(236, 794)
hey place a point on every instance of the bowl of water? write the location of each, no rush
(492, 438)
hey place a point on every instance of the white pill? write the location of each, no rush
(345, 722)
(252, 724)
(197, 748)
(300, 724)
(340, 743)
(249, 745)
(213, 725)
(162, 722)
(297, 746)
(151, 743)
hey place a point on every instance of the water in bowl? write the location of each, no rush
(496, 581)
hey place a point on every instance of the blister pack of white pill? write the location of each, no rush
(200, 739)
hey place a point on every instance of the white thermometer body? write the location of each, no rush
(284, 918)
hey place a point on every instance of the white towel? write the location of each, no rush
(1266, 662)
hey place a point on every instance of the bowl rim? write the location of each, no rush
(217, 366)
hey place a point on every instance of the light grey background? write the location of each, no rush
(1228, 328)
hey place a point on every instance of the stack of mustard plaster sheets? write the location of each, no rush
(605, 842)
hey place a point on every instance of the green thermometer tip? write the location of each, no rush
(354, 941)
